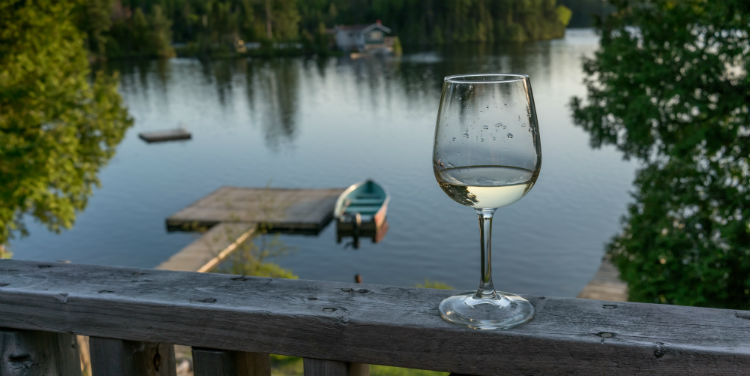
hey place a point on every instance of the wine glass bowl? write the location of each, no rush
(487, 154)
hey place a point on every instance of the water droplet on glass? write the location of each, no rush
(494, 138)
(486, 106)
(485, 127)
(510, 135)
(466, 134)
(454, 139)
(506, 105)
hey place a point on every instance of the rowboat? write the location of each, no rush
(360, 211)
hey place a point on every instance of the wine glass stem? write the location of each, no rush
(486, 288)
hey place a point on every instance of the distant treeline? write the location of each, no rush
(121, 28)
(586, 11)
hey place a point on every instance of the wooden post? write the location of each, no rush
(28, 352)
(129, 358)
(210, 362)
(321, 367)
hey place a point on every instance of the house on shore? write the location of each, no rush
(369, 39)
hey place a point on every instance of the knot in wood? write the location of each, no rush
(606, 334)
(660, 350)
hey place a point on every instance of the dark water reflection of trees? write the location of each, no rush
(272, 86)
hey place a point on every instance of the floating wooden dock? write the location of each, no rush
(606, 284)
(165, 135)
(277, 209)
(234, 214)
(210, 249)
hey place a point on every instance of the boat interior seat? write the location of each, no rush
(367, 201)
(368, 195)
(362, 209)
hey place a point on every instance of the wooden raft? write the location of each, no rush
(166, 135)
(234, 214)
(336, 325)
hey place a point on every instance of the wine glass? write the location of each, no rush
(487, 154)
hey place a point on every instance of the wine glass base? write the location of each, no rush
(503, 312)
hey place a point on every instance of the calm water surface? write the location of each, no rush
(329, 123)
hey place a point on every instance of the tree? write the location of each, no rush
(95, 21)
(160, 38)
(669, 86)
(58, 125)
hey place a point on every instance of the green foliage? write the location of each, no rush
(94, 21)
(398, 50)
(563, 14)
(134, 33)
(215, 27)
(428, 284)
(5, 253)
(58, 125)
(250, 258)
(585, 12)
(292, 366)
(669, 86)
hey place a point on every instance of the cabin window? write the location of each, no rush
(375, 35)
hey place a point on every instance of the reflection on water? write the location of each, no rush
(351, 238)
(315, 123)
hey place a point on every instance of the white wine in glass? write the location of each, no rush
(487, 154)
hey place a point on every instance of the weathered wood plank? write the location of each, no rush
(209, 362)
(278, 209)
(210, 249)
(115, 357)
(320, 367)
(369, 323)
(165, 135)
(30, 352)
(606, 284)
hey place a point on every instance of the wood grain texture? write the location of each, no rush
(211, 362)
(115, 357)
(369, 323)
(32, 353)
(321, 367)
(210, 249)
(277, 209)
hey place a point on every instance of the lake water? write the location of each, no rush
(329, 123)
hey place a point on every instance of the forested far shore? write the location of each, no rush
(153, 28)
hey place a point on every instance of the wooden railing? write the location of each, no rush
(232, 323)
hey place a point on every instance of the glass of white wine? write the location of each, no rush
(487, 154)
